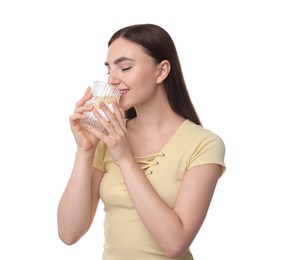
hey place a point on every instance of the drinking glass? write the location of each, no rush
(101, 92)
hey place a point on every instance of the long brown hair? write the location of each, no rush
(159, 45)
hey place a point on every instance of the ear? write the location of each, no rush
(163, 70)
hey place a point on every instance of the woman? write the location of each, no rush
(157, 170)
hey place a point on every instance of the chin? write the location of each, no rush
(124, 106)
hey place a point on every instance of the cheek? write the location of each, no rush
(142, 85)
(145, 84)
(144, 78)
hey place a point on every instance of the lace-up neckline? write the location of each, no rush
(148, 161)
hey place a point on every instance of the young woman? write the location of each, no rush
(154, 166)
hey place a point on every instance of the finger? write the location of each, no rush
(87, 96)
(107, 126)
(82, 109)
(102, 135)
(75, 119)
(112, 119)
(103, 119)
(119, 115)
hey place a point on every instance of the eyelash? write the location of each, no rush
(124, 69)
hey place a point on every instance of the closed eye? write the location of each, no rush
(124, 69)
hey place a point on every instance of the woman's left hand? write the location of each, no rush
(115, 133)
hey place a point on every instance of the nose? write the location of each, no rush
(113, 79)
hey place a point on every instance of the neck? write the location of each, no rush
(156, 117)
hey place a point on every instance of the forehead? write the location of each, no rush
(125, 48)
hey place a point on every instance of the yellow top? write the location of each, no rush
(126, 237)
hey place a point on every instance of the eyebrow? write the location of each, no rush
(119, 60)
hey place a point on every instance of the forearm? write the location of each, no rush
(162, 221)
(74, 210)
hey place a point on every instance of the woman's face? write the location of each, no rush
(132, 71)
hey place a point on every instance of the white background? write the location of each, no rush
(232, 58)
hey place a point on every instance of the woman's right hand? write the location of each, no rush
(85, 140)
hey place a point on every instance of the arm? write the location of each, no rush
(79, 201)
(175, 228)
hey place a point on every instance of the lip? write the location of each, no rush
(123, 91)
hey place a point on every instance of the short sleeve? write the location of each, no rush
(210, 149)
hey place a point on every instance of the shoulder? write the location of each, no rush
(199, 134)
(196, 141)
(208, 147)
